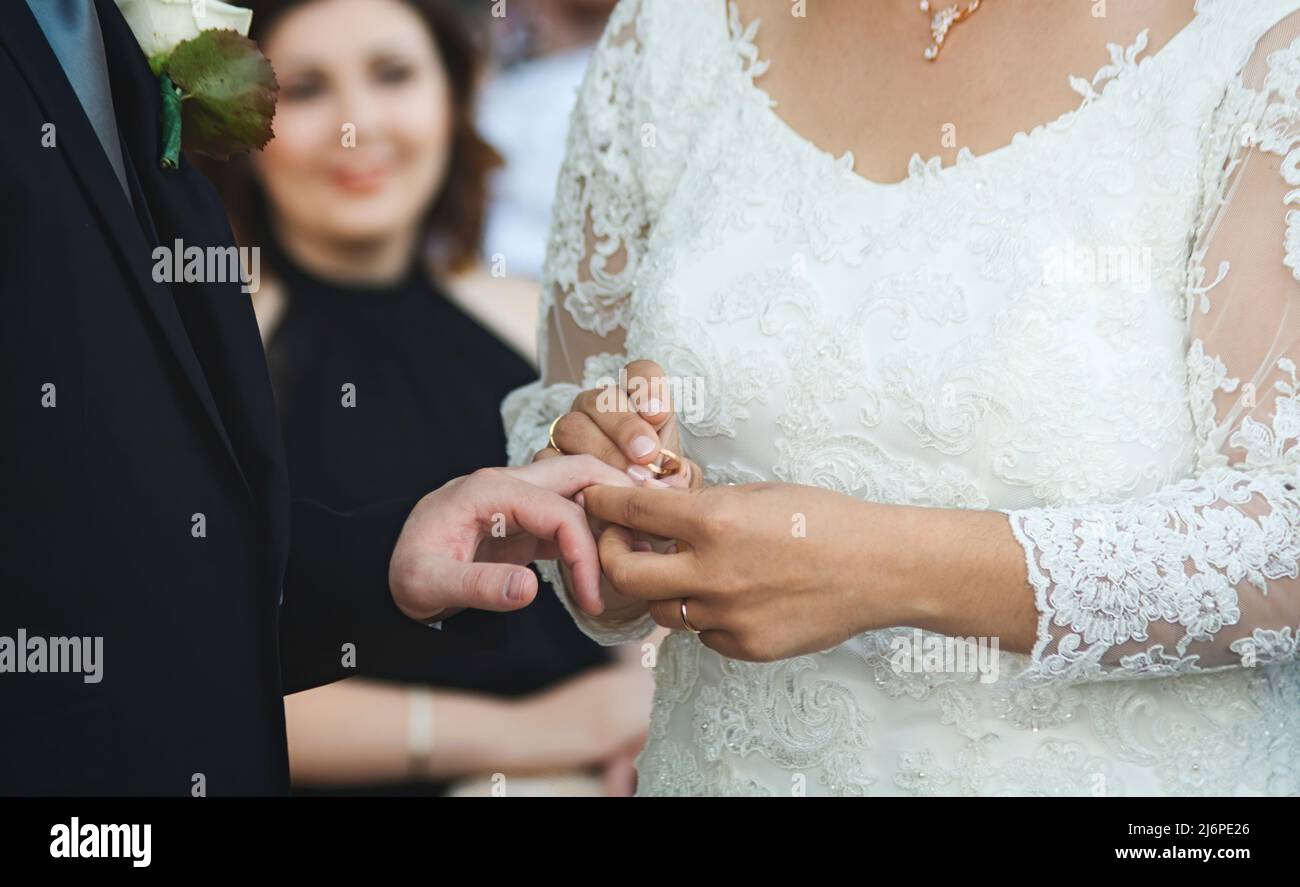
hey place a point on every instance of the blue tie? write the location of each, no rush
(72, 29)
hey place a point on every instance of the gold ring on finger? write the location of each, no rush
(550, 434)
(674, 464)
(686, 623)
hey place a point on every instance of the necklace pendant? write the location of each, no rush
(942, 23)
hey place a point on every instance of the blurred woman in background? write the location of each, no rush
(390, 350)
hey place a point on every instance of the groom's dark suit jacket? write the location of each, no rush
(162, 411)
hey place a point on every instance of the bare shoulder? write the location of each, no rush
(1120, 21)
(778, 19)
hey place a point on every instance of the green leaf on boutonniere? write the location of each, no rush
(171, 123)
(228, 92)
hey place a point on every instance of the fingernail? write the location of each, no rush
(641, 545)
(642, 446)
(639, 472)
(580, 499)
(514, 587)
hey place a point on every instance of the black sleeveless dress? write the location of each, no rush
(392, 391)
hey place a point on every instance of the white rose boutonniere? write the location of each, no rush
(218, 90)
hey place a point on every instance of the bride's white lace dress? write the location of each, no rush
(1091, 329)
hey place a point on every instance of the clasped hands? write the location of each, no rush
(761, 571)
(765, 571)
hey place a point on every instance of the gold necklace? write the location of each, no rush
(942, 23)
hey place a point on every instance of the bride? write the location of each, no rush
(1037, 391)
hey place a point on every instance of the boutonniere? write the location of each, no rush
(218, 90)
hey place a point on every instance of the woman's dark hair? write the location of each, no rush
(454, 224)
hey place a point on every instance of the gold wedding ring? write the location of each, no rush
(550, 434)
(686, 623)
(672, 458)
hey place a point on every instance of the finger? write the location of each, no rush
(513, 548)
(724, 643)
(450, 583)
(659, 410)
(695, 475)
(543, 512)
(668, 613)
(567, 475)
(578, 433)
(645, 574)
(683, 479)
(634, 437)
(620, 776)
(443, 615)
(551, 453)
(648, 390)
(662, 512)
(546, 452)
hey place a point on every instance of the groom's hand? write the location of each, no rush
(465, 544)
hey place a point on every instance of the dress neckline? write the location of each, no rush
(741, 42)
(298, 280)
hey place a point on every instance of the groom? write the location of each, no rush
(154, 603)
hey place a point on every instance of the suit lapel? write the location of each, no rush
(215, 317)
(81, 148)
(76, 138)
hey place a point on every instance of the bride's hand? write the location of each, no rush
(768, 571)
(626, 427)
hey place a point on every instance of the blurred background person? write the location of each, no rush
(390, 350)
(541, 48)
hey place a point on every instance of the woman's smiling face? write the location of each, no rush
(363, 128)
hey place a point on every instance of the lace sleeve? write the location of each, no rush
(1203, 574)
(596, 240)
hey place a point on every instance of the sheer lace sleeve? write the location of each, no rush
(1203, 574)
(596, 240)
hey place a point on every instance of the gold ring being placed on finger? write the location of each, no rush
(686, 623)
(672, 458)
(550, 434)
